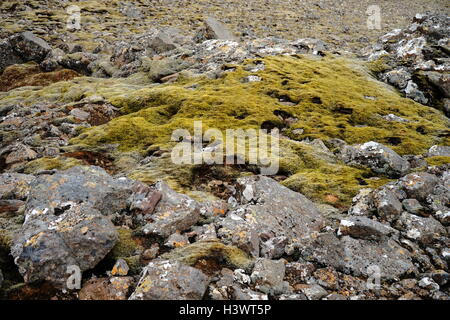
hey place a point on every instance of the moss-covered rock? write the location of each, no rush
(228, 255)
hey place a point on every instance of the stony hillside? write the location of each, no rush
(89, 186)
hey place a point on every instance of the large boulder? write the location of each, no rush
(377, 157)
(89, 185)
(170, 280)
(174, 212)
(22, 47)
(66, 224)
(50, 245)
(355, 256)
(269, 210)
(214, 29)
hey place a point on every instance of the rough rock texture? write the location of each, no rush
(174, 212)
(115, 288)
(65, 223)
(377, 157)
(166, 280)
(269, 210)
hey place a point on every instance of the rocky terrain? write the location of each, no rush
(93, 207)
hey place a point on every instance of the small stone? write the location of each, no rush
(364, 228)
(387, 204)
(419, 185)
(314, 292)
(80, 114)
(170, 280)
(177, 240)
(413, 206)
(120, 268)
(115, 288)
(429, 284)
(152, 253)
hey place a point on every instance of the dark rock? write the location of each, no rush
(386, 203)
(378, 157)
(214, 29)
(88, 185)
(50, 242)
(29, 47)
(115, 288)
(425, 230)
(174, 212)
(168, 280)
(365, 228)
(276, 211)
(268, 276)
(7, 55)
(413, 206)
(419, 185)
(274, 248)
(354, 256)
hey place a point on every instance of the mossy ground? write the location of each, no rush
(228, 255)
(329, 97)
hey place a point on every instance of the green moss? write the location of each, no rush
(127, 246)
(46, 163)
(332, 98)
(438, 160)
(191, 254)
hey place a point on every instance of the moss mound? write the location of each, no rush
(306, 97)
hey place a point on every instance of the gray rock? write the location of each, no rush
(354, 256)
(169, 280)
(29, 47)
(50, 242)
(177, 240)
(413, 206)
(274, 248)
(214, 29)
(437, 151)
(419, 185)
(386, 203)
(314, 292)
(15, 186)
(398, 78)
(428, 284)
(162, 42)
(365, 228)
(362, 204)
(88, 185)
(424, 230)
(412, 91)
(237, 231)
(294, 296)
(174, 212)
(7, 55)
(378, 157)
(247, 294)
(276, 211)
(268, 276)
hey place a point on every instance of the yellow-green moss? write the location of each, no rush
(438, 160)
(46, 163)
(192, 253)
(126, 246)
(333, 98)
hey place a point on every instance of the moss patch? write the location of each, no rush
(193, 253)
